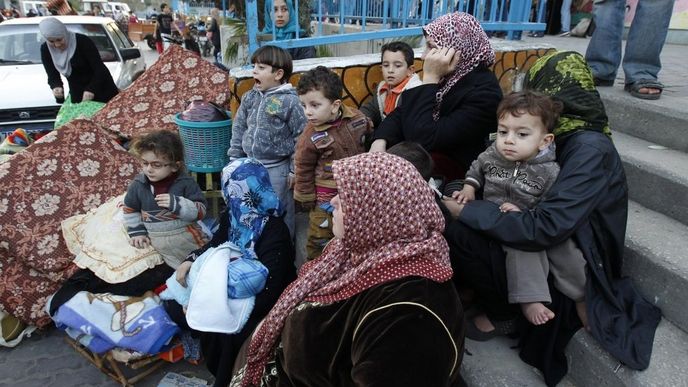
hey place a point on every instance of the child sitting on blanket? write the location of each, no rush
(163, 203)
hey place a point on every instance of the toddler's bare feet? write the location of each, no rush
(582, 314)
(536, 313)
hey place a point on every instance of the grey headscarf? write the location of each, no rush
(51, 28)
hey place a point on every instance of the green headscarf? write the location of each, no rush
(566, 77)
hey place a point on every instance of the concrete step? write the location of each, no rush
(590, 365)
(657, 178)
(494, 363)
(656, 258)
(663, 121)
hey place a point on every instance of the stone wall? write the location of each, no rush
(361, 73)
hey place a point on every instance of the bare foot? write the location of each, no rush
(536, 313)
(582, 314)
(483, 323)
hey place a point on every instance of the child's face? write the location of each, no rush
(280, 13)
(394, 68)
(155, 167)
(521, 138)
(318, 108)
(264, 78)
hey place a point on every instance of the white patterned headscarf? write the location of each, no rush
(51, 28)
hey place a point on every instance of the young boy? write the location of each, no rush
(268, 123)
(334, 131)
(515, 172)
(398, 74)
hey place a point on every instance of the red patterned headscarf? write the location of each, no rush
(392, 229)
(462, 32)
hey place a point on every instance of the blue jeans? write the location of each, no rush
(566, 15)
(645, 39)
(279, 178)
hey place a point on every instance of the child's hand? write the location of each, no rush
(464, 196)
(163, 200)
(140, 242)
(182, 271)
(508, 207)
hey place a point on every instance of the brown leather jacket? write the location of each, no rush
(319, 146)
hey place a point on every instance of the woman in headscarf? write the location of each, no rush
(452, 113)
(377, 307)
(75, 57)
(589, 202)
(252, 224)
(280, 17)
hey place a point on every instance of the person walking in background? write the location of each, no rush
(646, 37)
(565, 18)
(214, 32)
(163, 28)
(281, 17)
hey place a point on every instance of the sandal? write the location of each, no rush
(634, 88)
(502, 328)
(603, 82)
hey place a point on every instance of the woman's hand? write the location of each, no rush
(58, 92)
(140, 242)
(88, 96)
(182, 271)
(438, 63)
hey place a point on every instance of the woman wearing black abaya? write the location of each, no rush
(589, 202)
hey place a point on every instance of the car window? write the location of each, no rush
(20, 44)
(118, 36)
(99, 37)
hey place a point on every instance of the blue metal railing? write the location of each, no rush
(378, 19)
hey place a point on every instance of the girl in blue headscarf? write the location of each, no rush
(281, 17)
(253, 223)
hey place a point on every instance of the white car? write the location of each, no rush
(26, 100)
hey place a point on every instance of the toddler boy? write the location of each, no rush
(268, 123)
(334, 131)
(515, 172)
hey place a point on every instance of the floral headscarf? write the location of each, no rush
(392, 229)
(566, 77)
(462, 32)
(251, 202)
(289, 30)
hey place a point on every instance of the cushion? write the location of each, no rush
(177, 77)
(100, 243)
(67, 172)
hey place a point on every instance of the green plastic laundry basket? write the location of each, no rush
(205, 143)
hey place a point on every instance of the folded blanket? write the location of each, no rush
(137, 323)
(207, 310)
